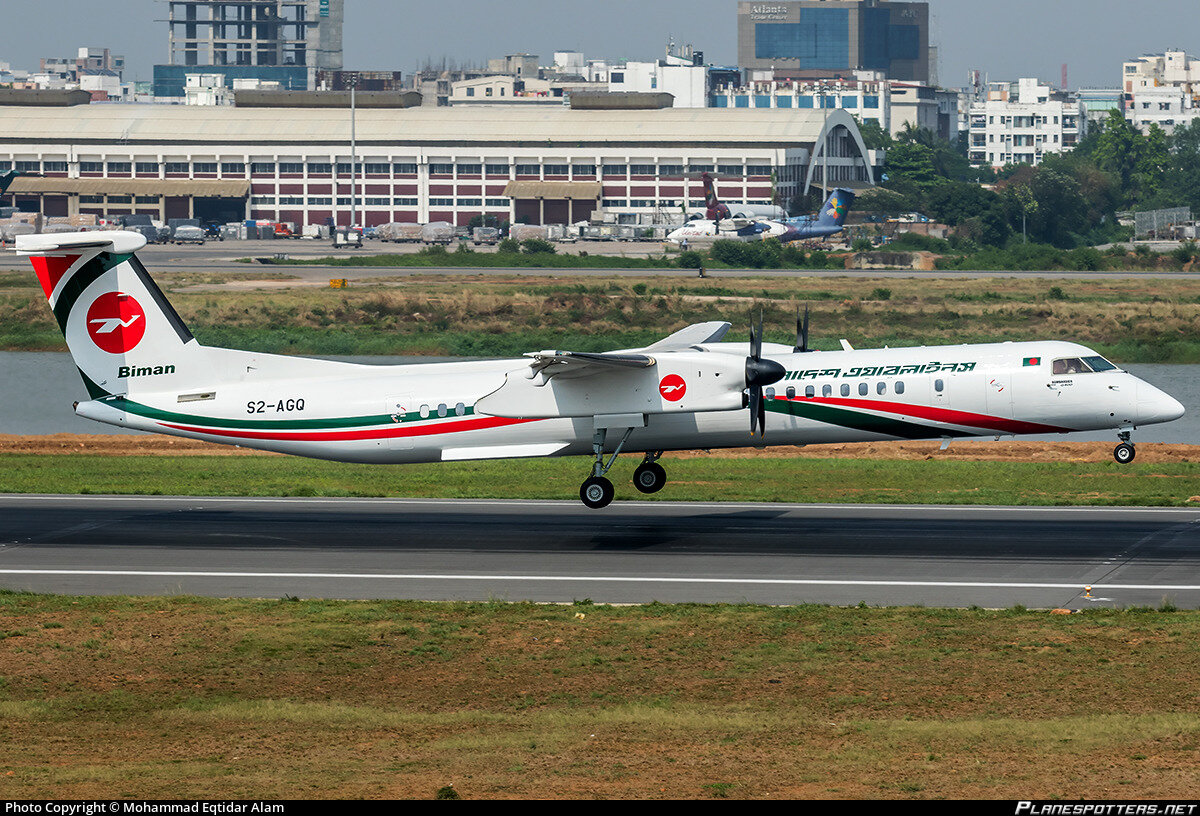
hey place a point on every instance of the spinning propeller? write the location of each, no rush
(801, 346)
(759, 373)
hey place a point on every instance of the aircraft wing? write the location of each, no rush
(547, 364)
(581, 364)
(694, 335)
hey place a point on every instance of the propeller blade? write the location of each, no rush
(801, 332)
(755, 406)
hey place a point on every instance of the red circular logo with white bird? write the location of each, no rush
(672, 387)
(116, 322)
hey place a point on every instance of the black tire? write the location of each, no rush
(1124, 453)
(596, 492)
(649, 477)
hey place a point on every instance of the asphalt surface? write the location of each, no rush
(223, 257)
(631, 552)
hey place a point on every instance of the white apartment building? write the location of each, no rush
(1162, 89)
(1021, 122)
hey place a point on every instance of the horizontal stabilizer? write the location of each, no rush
(116, 241)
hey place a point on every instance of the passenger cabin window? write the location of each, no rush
(460, 409)
(791, 392)
(424, 412)
(845, 389)
(810, 391)
(1081, 365)
(939, 386)
(826, 390)
(863, 389)
(881, 388)
(770, 392)
(442, 409)
(900, 386)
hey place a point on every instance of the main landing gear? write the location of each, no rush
(597, 491)
(1124, 452)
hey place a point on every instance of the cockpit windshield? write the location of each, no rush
(1082, 365)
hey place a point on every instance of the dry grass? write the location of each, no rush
(166, 698)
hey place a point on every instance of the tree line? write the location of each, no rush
(1069, 200)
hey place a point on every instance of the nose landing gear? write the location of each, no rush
(1124, 452)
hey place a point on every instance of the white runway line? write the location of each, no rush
(591, 579)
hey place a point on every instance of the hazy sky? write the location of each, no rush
(1006, 39)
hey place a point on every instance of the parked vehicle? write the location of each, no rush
(188, 234)
(485, 235)
(213, 230)
(141, 224)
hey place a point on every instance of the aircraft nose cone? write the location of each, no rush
(1154, 405)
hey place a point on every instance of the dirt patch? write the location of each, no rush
(972, 450)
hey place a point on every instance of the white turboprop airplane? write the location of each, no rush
(143, 369)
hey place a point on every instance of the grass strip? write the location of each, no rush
(192, 698)
(708, 478)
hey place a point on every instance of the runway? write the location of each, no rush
(631, 552)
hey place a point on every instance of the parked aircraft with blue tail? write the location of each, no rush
(722, 222)
(143, 369)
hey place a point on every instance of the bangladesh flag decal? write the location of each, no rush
(1032, 361)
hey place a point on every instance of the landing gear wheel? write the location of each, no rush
(1124, 453)
(649, 477)
(596, 492)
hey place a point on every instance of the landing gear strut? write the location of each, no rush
(1124, 452)
(650, 476)
(597, 491)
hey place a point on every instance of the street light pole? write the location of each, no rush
(353, 80)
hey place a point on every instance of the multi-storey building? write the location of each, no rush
(829, 38)
(867, 96)
(284, 41)
(1020, 122)
(420, 164)
(1162, 89)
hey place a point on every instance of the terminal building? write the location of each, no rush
(533, 165)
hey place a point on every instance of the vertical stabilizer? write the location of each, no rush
(833, 211)
(122, 333)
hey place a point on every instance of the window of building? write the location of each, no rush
(496, 202)
(343, 168)
(529, 170)
(643, 169)
(496, 169)
(262, 168)
(670, 169)
(470, 169)
(233, 168)
(583, 169)
(295, 168)
(555, 169)
(406, 202)
(376, 169)
(614, 170)
(404, 169)
(320, 168)
(441, 169)
(55, 167)
(29, 166)
(758, 170)
(170, 167)
(119, 167)
(204, 167)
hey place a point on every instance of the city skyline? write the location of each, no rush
(1050, 34)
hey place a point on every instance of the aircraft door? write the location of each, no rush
(998, 394)
(401, 409)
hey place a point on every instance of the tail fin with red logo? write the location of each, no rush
(123, 334)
